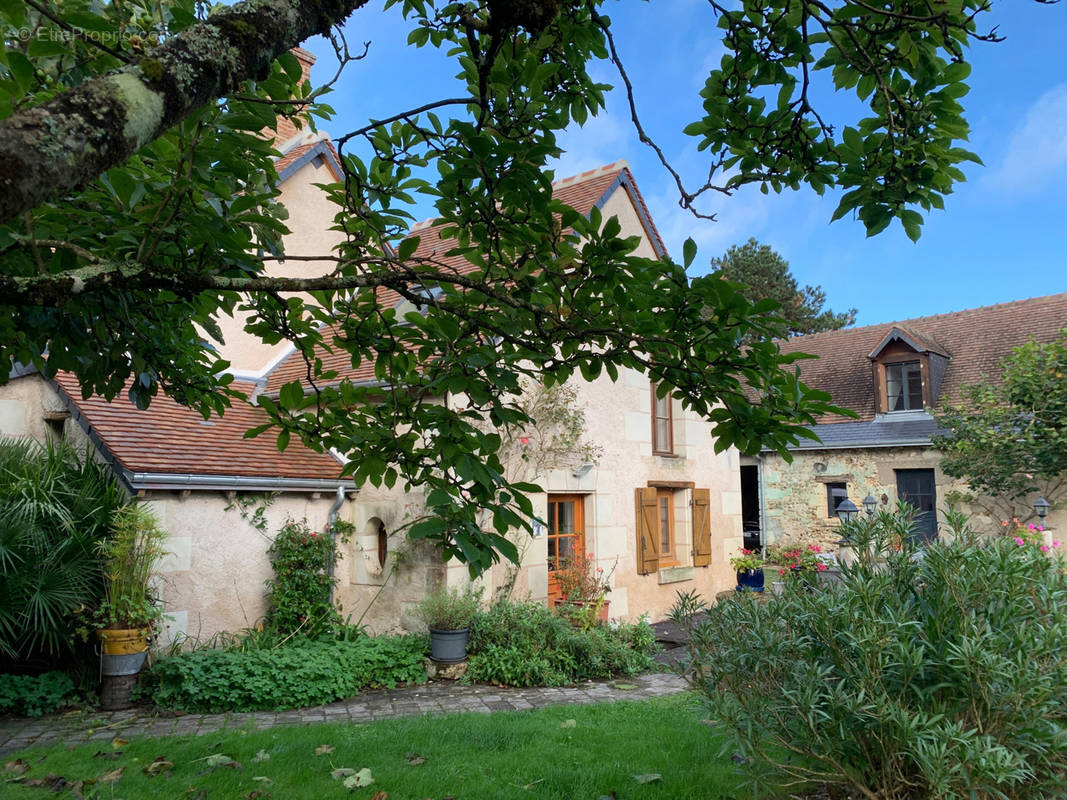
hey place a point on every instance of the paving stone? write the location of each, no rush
(431, 698)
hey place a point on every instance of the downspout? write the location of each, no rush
(331, 521)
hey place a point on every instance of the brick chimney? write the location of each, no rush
(286, 129)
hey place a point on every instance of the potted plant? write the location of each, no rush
(130, 610)
(583, 589)
(448, 614)
(748, 564)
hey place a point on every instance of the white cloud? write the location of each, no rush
(604, 139)
(1037, 152)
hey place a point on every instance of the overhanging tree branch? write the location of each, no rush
(60, 146)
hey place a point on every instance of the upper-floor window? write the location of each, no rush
(903, 386)
(662, 424)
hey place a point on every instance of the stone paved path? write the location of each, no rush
(431, 698)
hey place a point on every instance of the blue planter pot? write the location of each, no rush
(750, 580)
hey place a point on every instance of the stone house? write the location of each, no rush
(658, 509)
(890, 375)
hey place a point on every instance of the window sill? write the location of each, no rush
(674, 574)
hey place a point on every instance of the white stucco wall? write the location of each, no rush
(310, 218)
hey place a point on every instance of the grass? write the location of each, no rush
(563, 752)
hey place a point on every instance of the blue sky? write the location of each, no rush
(1002, 235)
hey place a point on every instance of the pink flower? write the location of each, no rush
(822, 567)
(1044, 549)
(1031, 526)
(1056, 544)
(1004, 524)
(1018, 541)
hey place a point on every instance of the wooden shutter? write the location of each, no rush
(647, 517)
(701, 527)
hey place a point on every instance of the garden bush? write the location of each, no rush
(301, 673)
(940, 675)
(525, 644)
(34, 695)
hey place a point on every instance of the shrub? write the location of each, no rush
(302, 673)
(34, 695)
(525, 644)
(449, 609)
(300, 594)
(942, 675)
(54, 509)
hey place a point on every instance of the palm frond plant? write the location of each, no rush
(55, 506)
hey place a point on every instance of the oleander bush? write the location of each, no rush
(938, 675)
(34, 695)
(525, 644)
(299, 673)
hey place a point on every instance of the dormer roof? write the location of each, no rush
(919, 342)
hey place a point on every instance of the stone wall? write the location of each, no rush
(795, 494)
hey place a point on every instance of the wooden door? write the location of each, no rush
(566, 534)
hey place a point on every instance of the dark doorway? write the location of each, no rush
(916, 486)
(750, 507)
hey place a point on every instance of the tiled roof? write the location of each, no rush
(581, 192)
(977, 341)
(170, 438)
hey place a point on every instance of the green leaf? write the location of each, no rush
(689, 252)
(407, 247)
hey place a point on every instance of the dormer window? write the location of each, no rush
(909, 367)
(904, 388)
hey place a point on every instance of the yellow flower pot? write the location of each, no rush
(122, 641)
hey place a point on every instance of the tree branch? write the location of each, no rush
(60, 146)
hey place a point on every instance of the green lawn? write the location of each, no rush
(609, 750)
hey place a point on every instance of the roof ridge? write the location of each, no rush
(614, 166)
(938, 317)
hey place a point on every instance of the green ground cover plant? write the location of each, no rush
(34, 695)
(296, 674)
(940, 674)
(634, 750)
(525, 644)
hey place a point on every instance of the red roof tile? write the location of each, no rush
(170, 438)
(581, 192)
(976, 340)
